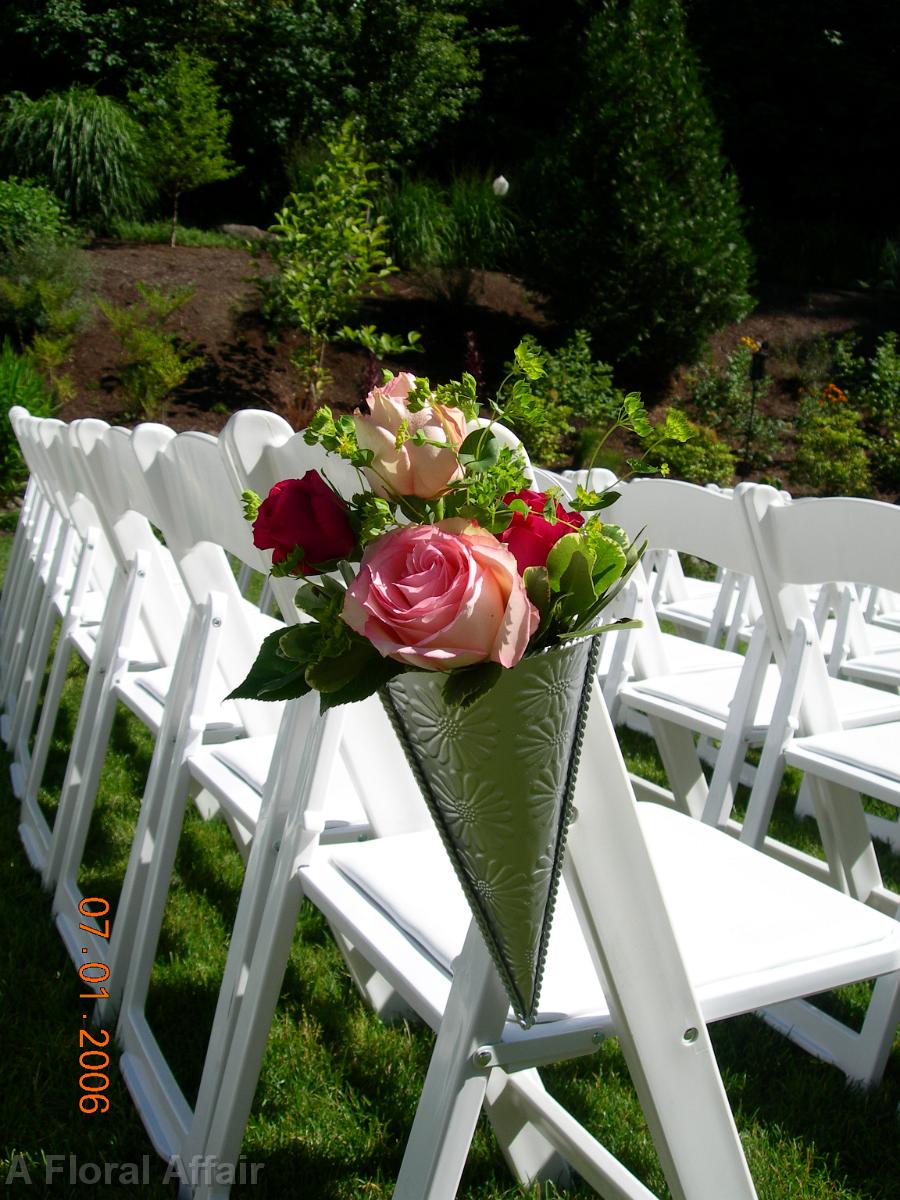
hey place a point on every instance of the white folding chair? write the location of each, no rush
(25, 538)
(42, 577)
(734, 705)
(96, 590)
(745, 931)
(258, 948)
(819, 541)
(859, 649)
(80, 577)
(149, 591)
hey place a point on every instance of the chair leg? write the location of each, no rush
(455, 1085)
(861, 1056)
(92, 731)
(682, 765)
(285, 838)
(531, 1157)
(34, 830)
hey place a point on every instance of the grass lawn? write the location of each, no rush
(339, 1088)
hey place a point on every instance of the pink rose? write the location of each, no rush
(408, 470)
(307, 513)
(530, 538)
(441, 596)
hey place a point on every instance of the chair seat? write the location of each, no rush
(710, 694)
(692, 612)
(881, 667)
(742, 952)
(145, 692)
(683, 654)
(246, 762)
(874, 749)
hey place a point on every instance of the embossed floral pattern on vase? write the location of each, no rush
(498, 778)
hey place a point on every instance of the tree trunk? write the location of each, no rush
(174, 217)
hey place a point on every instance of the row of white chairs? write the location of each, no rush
(687, 694)
(664, 922)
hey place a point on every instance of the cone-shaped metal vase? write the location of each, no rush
(498, 778)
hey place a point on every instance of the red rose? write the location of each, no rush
(306, 513)
(530, 538)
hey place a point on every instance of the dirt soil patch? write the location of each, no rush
(246, 368)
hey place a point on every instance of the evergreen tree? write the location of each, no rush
(637, 220)
(186, 131)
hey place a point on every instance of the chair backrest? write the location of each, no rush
(98, 454)
(685, 518)
(191, 495)
(688, 518)
(817, 541)
(260, 449)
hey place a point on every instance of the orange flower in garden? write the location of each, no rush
(751, 343)
(833, 394)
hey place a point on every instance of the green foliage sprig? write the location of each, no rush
(21, 383)
(330, 250)
(154, 359)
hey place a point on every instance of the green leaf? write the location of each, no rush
(622, 623)
(317, 599)
(333, 674)
(529, 359)
(251, 502)
(379, 672)
(480, 451)
(537, 588)
(677, 427)
(465, 686)
(609, 562)
(615, 533)
(577, 592)
(638, 420)
(272, 676)
(560, 556)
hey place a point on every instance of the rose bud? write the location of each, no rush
(531, 537)
(306, 513)
(408, 469)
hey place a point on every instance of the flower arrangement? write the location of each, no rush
(445, 559)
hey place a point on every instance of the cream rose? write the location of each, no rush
(408, 469)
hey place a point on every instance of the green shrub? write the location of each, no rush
(43, 292)
(85, 147)
(29, 215)
(873, 383)
(575, 394)
(727, 399)
(637, 226)
(885, 458)
(20, 383)
(160, 233)
(831, 453)
(185, 131)
(449, 234)
(702, 459)
(154, 360)
(43, 279)
(330, 251)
